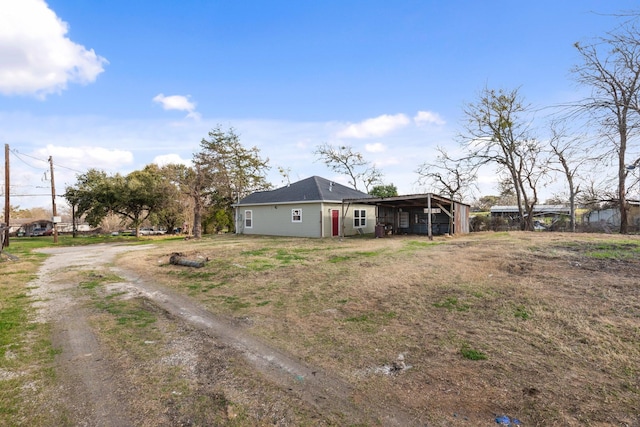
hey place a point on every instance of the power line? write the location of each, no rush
(16, 152)
(31, 195)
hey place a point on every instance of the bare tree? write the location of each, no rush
(611, 68)
(568, 157)
(449, 176)
(193, 183)
(453, 177)
(285, 173)
(344, 160)
(496, 133)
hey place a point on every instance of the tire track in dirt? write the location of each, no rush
(93, 393)
(89, 392)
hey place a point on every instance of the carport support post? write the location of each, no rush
(429, 233)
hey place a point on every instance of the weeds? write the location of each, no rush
(234, 303)
(452, 304)
(472, 354)
(521, 312)
(359, 319)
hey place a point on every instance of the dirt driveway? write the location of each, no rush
(196, 365)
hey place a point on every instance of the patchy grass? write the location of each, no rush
(127, 312)
(30, 243)
(419, 244)
(452, 303)
(555, 315)
(543, 306)
(614, 250)
(26, 354)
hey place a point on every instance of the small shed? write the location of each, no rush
(427, 214)
(610, 218)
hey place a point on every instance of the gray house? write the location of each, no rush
(312, 207)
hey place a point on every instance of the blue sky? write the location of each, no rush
(116, 84)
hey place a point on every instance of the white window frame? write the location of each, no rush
(248, 219)
(359, 218)
(296, 215)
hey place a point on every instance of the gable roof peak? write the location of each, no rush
(314, 188)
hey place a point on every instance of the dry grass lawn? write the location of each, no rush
(543, 327)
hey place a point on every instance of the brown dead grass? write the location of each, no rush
(557, 316)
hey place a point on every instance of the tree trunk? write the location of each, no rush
(197, 218)
(622, 177)
(572, 207)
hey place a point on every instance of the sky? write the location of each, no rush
(116, 85)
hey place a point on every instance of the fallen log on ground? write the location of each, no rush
(178, 259)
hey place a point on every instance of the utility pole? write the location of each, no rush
(53, 202)
(7, 205)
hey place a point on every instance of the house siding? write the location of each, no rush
(370, 225)
(275, 219)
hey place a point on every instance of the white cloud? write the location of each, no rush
(36, 57)
(167, 159)
(428, 117)
(178, 102)
(375, 148)
(376, 127)
(85, 157)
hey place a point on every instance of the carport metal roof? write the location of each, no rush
(413, 200)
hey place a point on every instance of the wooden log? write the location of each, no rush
(178, 259)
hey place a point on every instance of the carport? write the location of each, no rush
(423, 214)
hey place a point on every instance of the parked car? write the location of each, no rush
(38, 231)
(539, 226)
(149, 231)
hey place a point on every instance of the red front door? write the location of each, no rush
(335, 221)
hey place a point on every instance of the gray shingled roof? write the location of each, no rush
(314, 188)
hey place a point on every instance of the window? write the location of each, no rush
(248, 219)
(359, 218)
(296, 215)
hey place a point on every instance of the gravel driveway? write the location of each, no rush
(96, 386)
